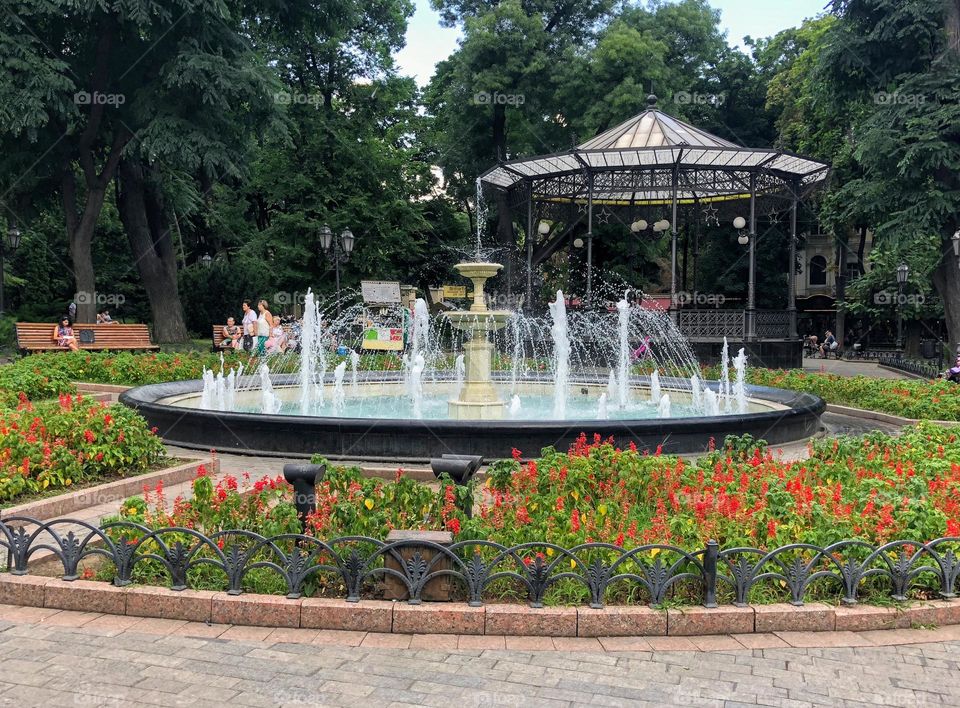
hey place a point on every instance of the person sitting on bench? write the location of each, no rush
(63, 335)
(232, 335)
(830, 344)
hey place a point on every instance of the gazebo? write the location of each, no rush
(654, 171)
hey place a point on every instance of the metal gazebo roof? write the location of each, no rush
(654, 158)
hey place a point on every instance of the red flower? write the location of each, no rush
(771, 528)
(953, 527)
(88, 434)
(453, 525)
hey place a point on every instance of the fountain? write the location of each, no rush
(477, 399)
(564, 373)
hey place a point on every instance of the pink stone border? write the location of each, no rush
(65, 504)
(458, 618)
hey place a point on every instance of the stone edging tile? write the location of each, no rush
(380, 616)
(882, 417)
(63, 505)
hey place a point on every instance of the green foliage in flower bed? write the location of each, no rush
(929, 400)
(35, 383)
(59, 444)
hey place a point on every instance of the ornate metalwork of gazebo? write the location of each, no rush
(656, 169)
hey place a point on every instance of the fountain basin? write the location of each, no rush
(776, 415)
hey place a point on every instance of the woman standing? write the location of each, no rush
(264, 325)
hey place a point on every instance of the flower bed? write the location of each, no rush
(554, 529)
(59, 444)
(921, 400)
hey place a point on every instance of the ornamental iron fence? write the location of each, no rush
(732, 324)
(896, 360)
(479, 568)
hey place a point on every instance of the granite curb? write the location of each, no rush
(518, 620)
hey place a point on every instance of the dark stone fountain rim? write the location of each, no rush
(396, 439)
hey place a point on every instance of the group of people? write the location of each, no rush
(260, 332)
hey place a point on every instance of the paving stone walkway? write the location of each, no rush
(53, 658)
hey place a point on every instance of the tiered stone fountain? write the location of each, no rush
(478, 398)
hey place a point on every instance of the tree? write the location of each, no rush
(894, 67)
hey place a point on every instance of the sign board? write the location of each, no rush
(383, 339)
(380, 292)
(454, 292)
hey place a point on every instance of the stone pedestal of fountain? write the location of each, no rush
(478, 398)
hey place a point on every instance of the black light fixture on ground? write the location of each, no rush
(903, 274)
(337, 250)
(10, 247)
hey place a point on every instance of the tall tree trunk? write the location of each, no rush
(151, 241)
(80, 229)
(946, 279)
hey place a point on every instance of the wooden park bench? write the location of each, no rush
(38, 337)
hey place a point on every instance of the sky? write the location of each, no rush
(428, 42)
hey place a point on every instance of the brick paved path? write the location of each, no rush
(50, 658)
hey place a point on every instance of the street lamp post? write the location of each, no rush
(903, 273)
(337, 250)
(11, 245)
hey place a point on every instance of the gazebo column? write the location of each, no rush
(751, 333)
(673, 246)
(589, 298)
(792, 272)
(528, 304)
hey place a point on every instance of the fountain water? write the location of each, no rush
(623, 372)
(740, 382)
(515, 406)
(602, 412)
(269, 402)
(339, 396)
(561, 356)
(725, 375)
(655, 387)
(354, 362)
(416, 385)
(663, 409)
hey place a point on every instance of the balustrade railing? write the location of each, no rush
(732, 324)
